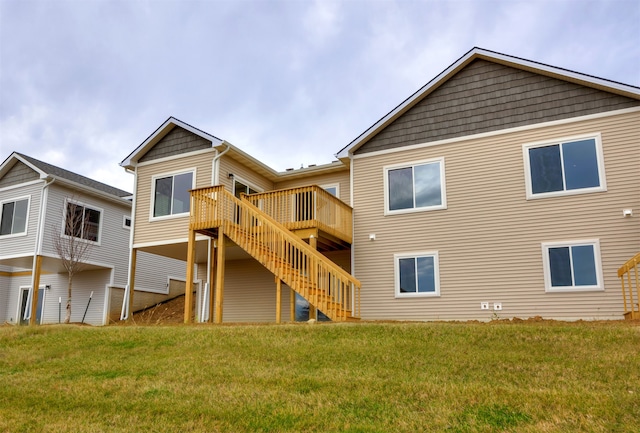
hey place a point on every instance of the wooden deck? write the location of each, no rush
(329, 288)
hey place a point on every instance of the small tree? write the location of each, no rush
(73, 243)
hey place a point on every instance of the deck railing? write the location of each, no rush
(629, 272)
(307, 207)
(324, 284)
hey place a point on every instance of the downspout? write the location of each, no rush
(48, 180)
(133, 225)
(215, 176)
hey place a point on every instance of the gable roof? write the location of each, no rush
(492, 56)
(132, 159)
(46, 170)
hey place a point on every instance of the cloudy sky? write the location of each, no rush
(84, 82)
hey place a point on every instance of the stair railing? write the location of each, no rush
(324, 284)
(629, 271)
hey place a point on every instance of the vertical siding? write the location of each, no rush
(168, 229)
(341, 178)
(113, 249)
(23, 245)
(489, 239)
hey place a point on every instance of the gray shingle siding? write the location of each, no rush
(17, 175)
(487, 96)
(176, 142)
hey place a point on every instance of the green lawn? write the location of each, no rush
(387, 377)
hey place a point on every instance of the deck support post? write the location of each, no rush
(220, 265)
(35, 285)
(132, 280)
(292, 305)
(188, 289)
(278, 300)
(212, 277)
(313, 311)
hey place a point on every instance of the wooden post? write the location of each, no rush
(212, 279)
(34, 289)
(313, 312)
(188, 290)
(278, 300)
(220, 265)
(292, 305)
(132, 279)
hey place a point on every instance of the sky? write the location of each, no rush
(84, 82)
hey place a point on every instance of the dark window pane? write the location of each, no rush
(546, 169)
(584, 265)
(20, 216)
(91, 224)
(407, 275)
(332, 190)
(427, 185)
(401, 189)
(426, 274)
(7, 218)
(74, 220)
(580, 164)
(239, 188)
(560, 267)
(162, 203)
(181, 198)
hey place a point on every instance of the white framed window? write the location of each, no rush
(333, 189)
(82, 221)
(417, 274)
(572, 266)
(241, 186)
(415, 187)
(14, 216)
(563, 167)
(170, 194)
(126, 222)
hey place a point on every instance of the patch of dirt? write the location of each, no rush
(167, 313)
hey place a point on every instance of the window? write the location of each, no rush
(417, 274)
(566, 167)
(572, 266)
(240, 187)
(82, 221)
(332, 189)
(13, 220)
(126, 222)
(171, 194)
(415, 187)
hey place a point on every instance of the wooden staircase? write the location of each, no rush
(629, 272)
(325, 285)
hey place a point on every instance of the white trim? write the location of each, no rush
(245, 183)
(21, 185)
(174, 157)
(332, 185)
(152, 200)
(436, 274)
(597, 260)
(85, 205)
(443, 188)
(497, 133)
(26, 221)
(599, 160)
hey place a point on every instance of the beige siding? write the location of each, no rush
(230, 166)
(173, 228)
(341, 178)
(489, 239)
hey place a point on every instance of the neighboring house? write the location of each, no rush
(34, 199)
(499, 189)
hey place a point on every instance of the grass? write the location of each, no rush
(388, 377)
